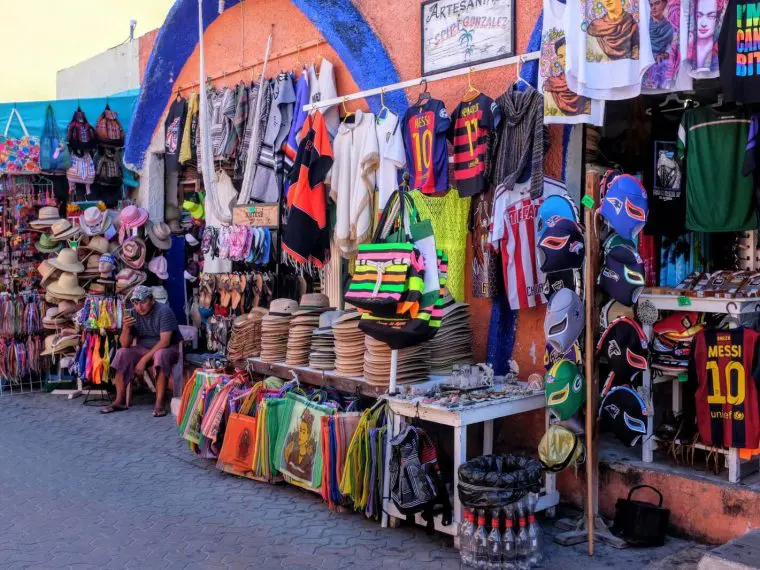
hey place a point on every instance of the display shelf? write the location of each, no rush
(736, 309)
(459, 419)
(317, 377)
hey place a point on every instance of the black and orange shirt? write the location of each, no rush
(427, 154)
(471, 123)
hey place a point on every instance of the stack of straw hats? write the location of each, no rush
(412, 363)
(322, 355)
(275, 327)
(349, 345)
(302, 327)
(245, 340)
(452, 344)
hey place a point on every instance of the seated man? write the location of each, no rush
(155, 329)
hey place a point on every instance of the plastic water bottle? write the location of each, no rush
(480, 543)
(494, 543)
(522, 546)
(509, 555)
(535, 555)
(466, 533)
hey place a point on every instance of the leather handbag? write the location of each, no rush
(19, 155)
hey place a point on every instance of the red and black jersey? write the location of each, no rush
(723, 379)
(471, 123)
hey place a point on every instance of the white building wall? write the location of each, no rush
(113, 71)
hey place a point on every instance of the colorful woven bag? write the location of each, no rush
(54, 153)
(19, 155)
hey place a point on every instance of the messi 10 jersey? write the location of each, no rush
(723, 376)
(427, 158)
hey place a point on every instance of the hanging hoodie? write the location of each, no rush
(608, 47)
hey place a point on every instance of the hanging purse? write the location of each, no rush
(19, 155)
(54, 153)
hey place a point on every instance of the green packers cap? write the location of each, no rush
(565, 389)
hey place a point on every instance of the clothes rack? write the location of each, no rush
(530, 56)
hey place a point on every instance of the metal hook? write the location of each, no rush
(728, 308)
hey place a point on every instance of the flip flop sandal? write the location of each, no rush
(249, 294)
(224, 290)
(206, 293)
(235, 292)
(159, 413)
(258, 290)
(113, 409)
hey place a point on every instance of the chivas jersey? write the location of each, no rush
(471, 123)
(427, 157)
(723, 371)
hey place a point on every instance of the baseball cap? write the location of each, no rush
(622, 275)
(564, 320)
(561, 246)
(141, 292)
(625, 205)
(624, 412)
(624, 345)
(565, 389)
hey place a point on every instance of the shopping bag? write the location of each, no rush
(239, 443)
(54, 153)
(19, 155)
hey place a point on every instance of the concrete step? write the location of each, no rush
(742, 553)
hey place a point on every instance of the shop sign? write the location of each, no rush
(460, 33)
(262, 215)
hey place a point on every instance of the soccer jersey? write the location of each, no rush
(471, 123)
(719, 197)
(523, 279)
(426, 151)
(723, 377)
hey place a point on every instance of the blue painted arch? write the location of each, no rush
(341, 24)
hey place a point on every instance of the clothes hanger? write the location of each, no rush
(471, 92)
(346, 113)
(383, 107)
(520, 79)
(424, 96)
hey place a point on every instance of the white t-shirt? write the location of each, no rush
(561, 106)
(390, 144)
(607, 56)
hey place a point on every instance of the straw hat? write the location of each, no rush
(58, 343)
(67, 261)
(47, 217)
(128, 278)
(133, 252)
(159, 266)
(97, 244)
(133, 217)
(67, 287)
(63, 230)
(282, 308)
(160, 234)
(47, 244)
(160, 294)
(313, 302)
(94, 221)
(92, 269)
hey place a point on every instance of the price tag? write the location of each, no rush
(684, 301)
(251, 209)
(682, 377)
(588, 201)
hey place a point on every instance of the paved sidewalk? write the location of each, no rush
(83, 490)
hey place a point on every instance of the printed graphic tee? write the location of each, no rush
(701, 57)
(668, 26)
(719, 196)
(608, 47)
(561, 105)
(663, 177)
(739, 52)
(471, 123)
(174, 126)
(424, 130)
(723, 379)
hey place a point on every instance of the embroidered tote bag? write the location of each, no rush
(19, 155)
(54, 153)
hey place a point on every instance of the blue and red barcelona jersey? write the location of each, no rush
(427, 158)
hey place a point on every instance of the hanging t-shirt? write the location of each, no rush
(392, 158)
(424, 130)
(739, 52)
(561, 106)
(175, 123)
(668, 18)
(663, 177)
(608, 47)
(471, 123)
(719, 197)
(701, 57)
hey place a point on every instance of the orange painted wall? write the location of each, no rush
(146, 42)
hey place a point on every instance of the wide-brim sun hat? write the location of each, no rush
(160, 235)
(67, 261)
(48, 216)
(46, 244)
(133, 217)
(67, 287)
(133, 253)
(63, 230)
(97, 243)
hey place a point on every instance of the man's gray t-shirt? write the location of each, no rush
(147, 329)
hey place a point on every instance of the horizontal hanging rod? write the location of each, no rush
(279, 55)
(427, 79)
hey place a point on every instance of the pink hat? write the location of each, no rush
(94, 221)
(133, 253)
(131, 217)
(159, 266)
